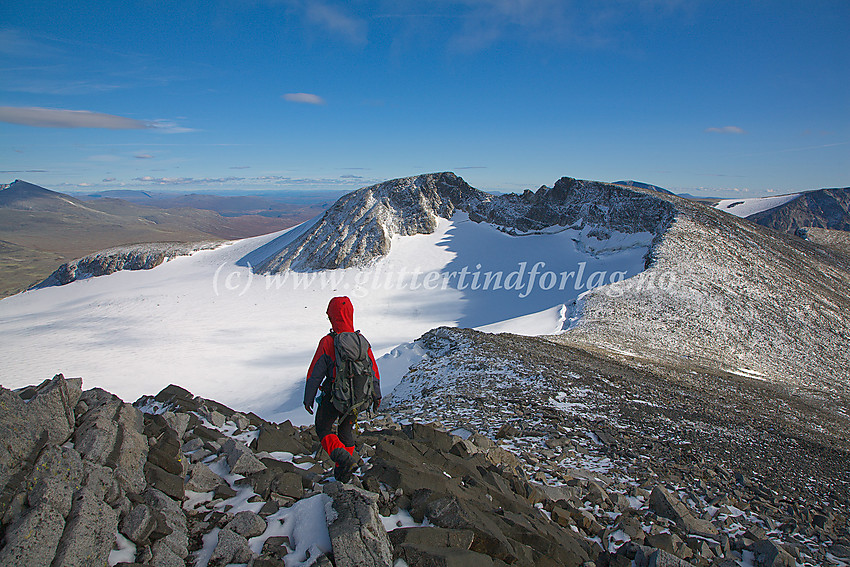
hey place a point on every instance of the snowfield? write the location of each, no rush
(210, 324)
(744, 208)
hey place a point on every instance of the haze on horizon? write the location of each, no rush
(711, 98)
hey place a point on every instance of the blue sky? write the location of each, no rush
(709, 97)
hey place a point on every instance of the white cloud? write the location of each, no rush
(304, 98)
(59, 118)
(143, 156)
(63, 118)
(336, 22)
(726, 130)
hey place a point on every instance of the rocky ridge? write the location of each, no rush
(360, 226)
(513, 475)
(724, 292)
(824, 208)
(135, 257)
(712, 467)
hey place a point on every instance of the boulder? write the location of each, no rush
(357, 534)
(89, 533)
(231, 548)
(771, 554)
(240, 459)
(669, 506)
(648, 557)
(240, 420)
(138, 525)
(432, 537)
(26, 427)
(131, 451)
(52, 407)
(247, 523)
(279, 437)
(175, 520)
(21, 548)
(53, 492)
(170, 484)
(420, 556)
(179, 422)
(202, 479)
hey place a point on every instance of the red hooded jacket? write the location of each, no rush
(323, 367)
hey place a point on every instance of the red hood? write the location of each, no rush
(341, 314)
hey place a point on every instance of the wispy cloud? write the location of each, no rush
(59, 118)
(143, 156)
(63, 118)
(336, 21)
(726, 130)
(304, 98)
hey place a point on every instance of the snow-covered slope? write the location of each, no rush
(743, 208)
(212, 324)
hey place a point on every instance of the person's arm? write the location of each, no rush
(320, 367)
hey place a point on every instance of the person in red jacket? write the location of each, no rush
(321, 374)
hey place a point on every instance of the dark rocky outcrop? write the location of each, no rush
(135, 257)
(824, 208)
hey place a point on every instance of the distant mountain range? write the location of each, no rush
(40, 228)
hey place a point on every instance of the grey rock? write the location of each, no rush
(432, 537)
(175, 520)
(22, 549)
(164, 481)
(162, 555)
(357, 534)
(202, 479)
(131, 451)
(279, 437)
(179, 422)
(89, 533)
(840, 550)
(138, 525)
(247, 523)
(240, 459)
(97, 433)
(231, 548)
(240, 420)
(27, 426)
(53, 407)
(771, 554)
(216, 418)
(648, 557)
(666, 504)
(53, 492)
(420, 556)
(192, 445)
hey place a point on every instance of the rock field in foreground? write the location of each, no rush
(179, 480)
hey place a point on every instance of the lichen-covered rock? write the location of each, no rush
(89, 533)
(231, 548)
(358, 537)
(33, 540)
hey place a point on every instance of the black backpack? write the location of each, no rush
(352, 388)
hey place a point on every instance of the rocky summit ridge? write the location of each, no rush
(360, 226)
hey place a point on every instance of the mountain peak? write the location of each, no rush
(359, 226)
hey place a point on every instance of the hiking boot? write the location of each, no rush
(345, 464)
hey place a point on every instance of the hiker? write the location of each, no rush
(337, 402)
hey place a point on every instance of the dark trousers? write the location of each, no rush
(326, 416)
